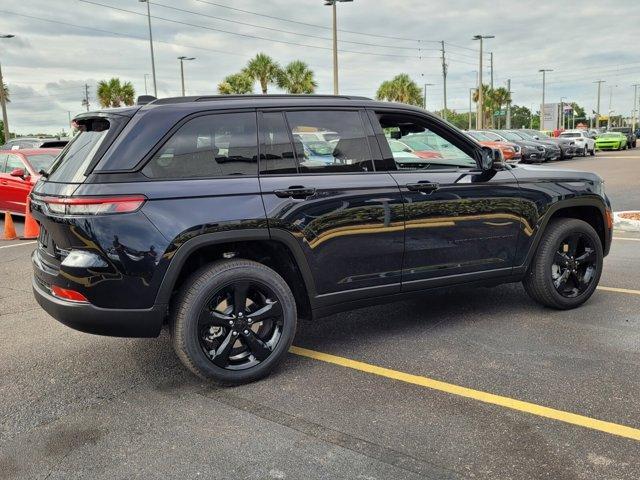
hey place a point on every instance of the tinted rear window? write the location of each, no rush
(71, 165)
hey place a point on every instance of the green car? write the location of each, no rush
(611, 141)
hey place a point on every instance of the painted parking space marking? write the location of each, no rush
(18, 244)
(478, 395)
(628, 239)
(619, 290)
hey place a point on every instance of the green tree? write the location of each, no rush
(113, 93)
(236, 84)
(400, 89)
(488, 103)
(6, 93)
(263, 69)
(500, 97)
(520, 117)
(297, 77)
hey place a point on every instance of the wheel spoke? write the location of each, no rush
(221, 355)
(213, 317)
(588, 256)
(561, 281)
(560, 259)
(271, 310)
(572, 241)
(257, 346)
(240, 290)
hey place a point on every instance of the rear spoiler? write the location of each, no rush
(144, 99)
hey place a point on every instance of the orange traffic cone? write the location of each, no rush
(31, 227)
(9, 228)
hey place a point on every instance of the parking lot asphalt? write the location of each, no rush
(82, 406)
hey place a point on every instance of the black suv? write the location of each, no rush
(232, 217)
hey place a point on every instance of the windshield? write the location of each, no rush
(570, 135)
(418, 145)
(397, 147)
(524, 135)
(511, 136)
(42, 161)
(71, 165)
(481, 137)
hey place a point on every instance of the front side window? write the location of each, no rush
(13, 162)
(414, 146)
(330, 141)
(209, 146)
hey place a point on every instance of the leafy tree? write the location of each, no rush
(263, 69)
(113, 93)
(6, 93)
(238, 84)
(520, 117)
(500, 97)
(401, 89)
(488, 103)
(296, 77)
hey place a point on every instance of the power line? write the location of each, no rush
(246, 35)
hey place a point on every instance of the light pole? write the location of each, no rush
(146, 92)
(425, 93)
(153, 61)
(561, 118)
(544, 85)
(611, 87)
(333, 4)
(599, 82)
(182, 59)
(470, 102)
(3, 100)
(480, 118)
(635, 105)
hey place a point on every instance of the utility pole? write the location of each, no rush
(470, 102)
(3, 100)
(635, 105)
(544, 85)
(425, 93)
(480, 94)
(610, 103)
(561, 117)
(333, 5)
(153, 61)
(508, 119)
(146, 92)
(444, 80)
(491, 70)
(599, 82)
(85, 100)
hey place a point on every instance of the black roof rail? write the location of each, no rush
(209, 98)
(144, 99)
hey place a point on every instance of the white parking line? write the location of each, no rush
(19, 244)
(628, 239)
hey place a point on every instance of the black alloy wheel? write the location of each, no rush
(574, 266)
(233, 321)
(240, 325)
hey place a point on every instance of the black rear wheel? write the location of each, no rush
(234, 321)
(567, 265)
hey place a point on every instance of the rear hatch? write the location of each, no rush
(57, 234)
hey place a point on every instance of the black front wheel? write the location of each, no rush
(567, 265)
(233, 321)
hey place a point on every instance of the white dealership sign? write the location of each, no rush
(550, 116)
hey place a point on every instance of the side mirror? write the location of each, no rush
(18, 172)
(490, 158)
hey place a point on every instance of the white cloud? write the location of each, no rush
(48, 63)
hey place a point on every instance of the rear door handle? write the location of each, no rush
(295, 191)
(422, 187)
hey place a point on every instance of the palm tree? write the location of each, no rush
(296, 77)
(6, 92)
(488, 103)
(501, 97)
(236, 84)
(112, 93)
(263, 69)
(400, 89)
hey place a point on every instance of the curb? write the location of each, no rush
(625, 224)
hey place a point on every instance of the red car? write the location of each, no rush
(19, 173)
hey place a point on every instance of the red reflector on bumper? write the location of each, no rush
(66, 294)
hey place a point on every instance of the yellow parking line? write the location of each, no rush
(619, 290)
(627, 239)
(485, 397)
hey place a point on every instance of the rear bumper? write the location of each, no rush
(101, 321)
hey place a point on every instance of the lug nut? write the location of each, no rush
(234, 333)
(240, 314)
(230, 322)
(246, 332)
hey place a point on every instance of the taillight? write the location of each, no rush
(94, 205)
(67, 294)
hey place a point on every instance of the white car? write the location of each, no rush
(583, 140)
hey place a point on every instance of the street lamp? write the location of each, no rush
(332, 4)
(153, 62)
(561, 118)
(182, 59)
(3, 100)
(544, 85)
(146, 92)
(611, 87)
(471, 90)
(635, 105)
(480, 118)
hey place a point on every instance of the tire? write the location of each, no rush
(539, 280)
(585, 151)
(593, 151)
(194, 302)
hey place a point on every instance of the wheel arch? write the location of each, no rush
(279, 252)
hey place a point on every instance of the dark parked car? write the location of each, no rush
(567, 146)
(531, 152)
(628, 131)
(202, 212)
(32, 142)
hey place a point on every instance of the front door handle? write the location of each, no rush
(295, 191)
(423, 187)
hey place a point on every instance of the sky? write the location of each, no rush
(61, 45)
